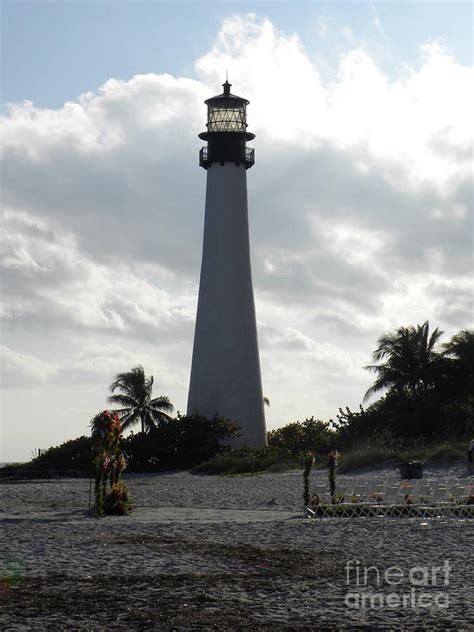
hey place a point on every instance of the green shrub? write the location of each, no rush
(71, 457)
(447, 450)
(248, 460)
(377, 453)
(179, 443)
(74, 454)
(364, 456)
(299, 438)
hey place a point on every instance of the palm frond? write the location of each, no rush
(130, 420)
(162, 403)
(123, 400)
(159, 415)
(132, 391)
(122, 412)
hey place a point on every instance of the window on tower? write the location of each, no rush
(220, 119)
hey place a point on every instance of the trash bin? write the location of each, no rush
(413, 469)
(416, 469)
(404, 469)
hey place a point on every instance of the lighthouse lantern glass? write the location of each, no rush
(226, 119)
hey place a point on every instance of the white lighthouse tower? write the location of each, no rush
(225, 372)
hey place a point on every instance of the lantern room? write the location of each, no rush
(226, 133)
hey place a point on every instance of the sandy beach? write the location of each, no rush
(219, 553)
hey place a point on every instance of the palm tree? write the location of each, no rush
(135, 391)
(459, 353)
(412, 363)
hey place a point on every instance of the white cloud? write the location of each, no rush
(395, 120)
(23, 369)
(360, 208)
(50, 279)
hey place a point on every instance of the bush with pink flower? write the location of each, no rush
(109, 463)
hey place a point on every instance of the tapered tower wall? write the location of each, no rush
(225, 373)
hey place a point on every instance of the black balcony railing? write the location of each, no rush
(203, 157)
(205, 160)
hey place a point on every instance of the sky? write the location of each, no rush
(360, 199)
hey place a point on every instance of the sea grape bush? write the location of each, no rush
(178, 443)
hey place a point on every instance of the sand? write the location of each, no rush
(219, 553)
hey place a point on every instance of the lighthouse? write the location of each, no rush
(225, 371)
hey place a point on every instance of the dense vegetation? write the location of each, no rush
(73, 457)
(249, 461)
(179, 443)
(426, 410)
(429, 389)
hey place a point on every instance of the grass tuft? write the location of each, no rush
(247, 462)
(372, 454)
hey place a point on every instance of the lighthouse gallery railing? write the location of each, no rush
(204, 160)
